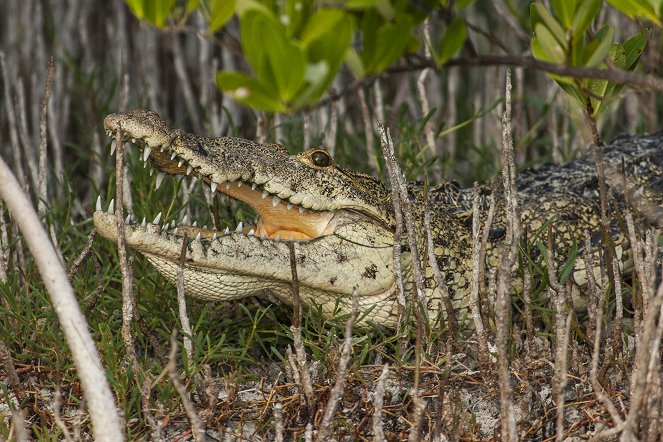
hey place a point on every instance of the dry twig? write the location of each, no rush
(181, 303)
(324, 431)
(302, 365)
(378, 401)
(42, 194)
(197, 427)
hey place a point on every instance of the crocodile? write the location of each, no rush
(341, 222)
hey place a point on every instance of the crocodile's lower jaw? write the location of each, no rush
(235, 265)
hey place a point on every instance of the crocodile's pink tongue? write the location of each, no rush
(276, 219)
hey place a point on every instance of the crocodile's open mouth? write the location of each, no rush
(278, 218)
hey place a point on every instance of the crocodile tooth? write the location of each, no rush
(214, 236)
(301, 209)
(213, 186)
(253, 186)
(289, 206)
(112, 147)
(180, 163)
(197, 238)
(162, 149)
(157, 219)
(264, 194)
(127, 219)
(160, 177)
(144, 222)
(108, 133)
(226, 231)
(275, 200)
(277, 238)
(146, 153)
(251, 233)
(189, 168)
(195, 224)
(99, 203)
(111, 206)
(185, 220)
(263, 236)
(172, 156)
(151, 170)
(175, 231)
(239, 227)
(205, 227)
(133, 140)
(239, 183)
(228, 184)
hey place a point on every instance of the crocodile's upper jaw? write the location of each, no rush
(246, 171)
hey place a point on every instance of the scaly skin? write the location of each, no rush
(342, 221)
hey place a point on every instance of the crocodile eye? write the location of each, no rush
(321, 158)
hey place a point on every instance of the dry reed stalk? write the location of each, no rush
(330, 139)
(399, 186)
(184, 83)
(562, 324)
(368, 130)
(278, 422)
(324, 431)
(306, 129)
(423, 99)
(378, 402)
(85, 253)
(598, 318)
(181, 303)
(197, 426)
(387, 150)
(302, 365)
(10, 371)
(42, 174)
(419, 409)
(11, 121)
(128, 301)
(477, 275)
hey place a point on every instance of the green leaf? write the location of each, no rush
(393, 39)
(191, 5)
(452, 40)
(551, 24)
(220, 12)
(547, 48)
(564, 9)
(248, 91)
(649, 10)
(354, 63)
(584, 17)
(633, 48)
(605, 36)
(154, 12)
(326, 38)
(277, 62)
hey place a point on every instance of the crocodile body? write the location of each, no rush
(342, 221)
